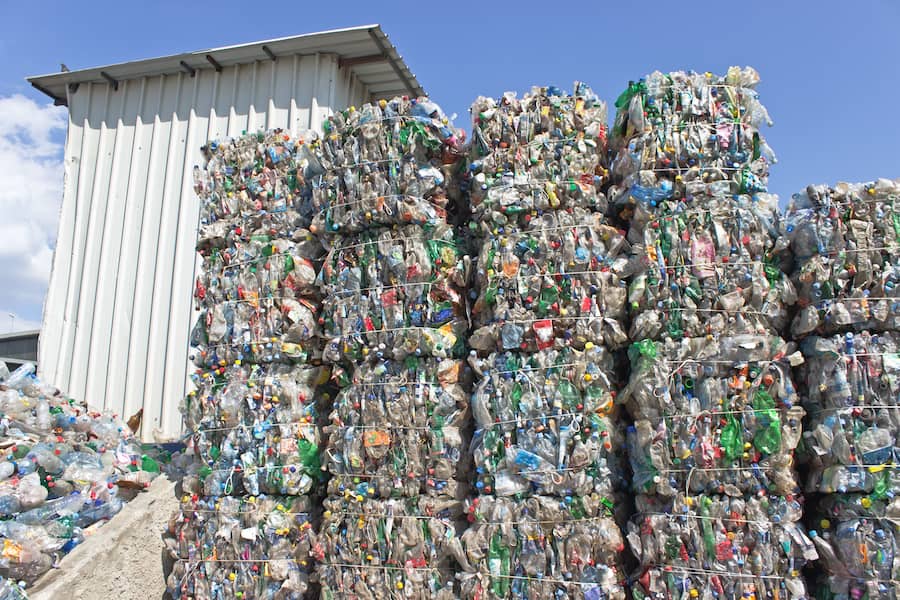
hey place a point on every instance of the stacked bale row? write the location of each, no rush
(716, 415)
(549, 312)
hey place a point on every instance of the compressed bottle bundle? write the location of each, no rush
(255, 429)
(719, 547)
(679, 133)
(396, 291)
(713, 416)
(857, 538)
(542, 547)
(559, 276)
(546, 423)
(544, 152)
(851, 383)
(241, 547)
(62, 470)
(396, 548)
(390, 163)
(400, 428)
(846, 246)
(711, 267)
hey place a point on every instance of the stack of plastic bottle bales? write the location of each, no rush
(245, 529)
(395, 322)
(549, 312)
(716, 415)
(846, 245)
(64, 468)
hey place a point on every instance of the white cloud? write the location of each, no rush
(31, 180)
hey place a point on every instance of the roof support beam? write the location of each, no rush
(361, 60)
(269, 52)
(110, 79)
(394, 66)
(57, 101)
(214, 63)
(188, 68)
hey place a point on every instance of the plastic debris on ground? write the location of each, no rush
(846, 246)
(549, 310)
(719, 547)
(857, 537)
(542, 547)
(396, 548)
(64, 469)
(241, 547)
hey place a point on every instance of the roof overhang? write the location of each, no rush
(365, 50)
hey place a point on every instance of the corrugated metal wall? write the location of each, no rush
(118, 312)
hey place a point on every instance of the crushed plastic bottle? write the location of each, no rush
(544, 152)
(253, 547)
(845, 241)
(385, 164)
(713, 415)
(397, 548)
(719, 547)
(542, 547)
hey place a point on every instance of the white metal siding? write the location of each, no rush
(118, 312)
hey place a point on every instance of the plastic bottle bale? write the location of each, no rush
(711, 268)
(676, 133)
(546, 423)
(564, 268)
(719, 547)
(390, 163)
(544, 152)
(402, 427)
(713, 416)
(254, 429)
(851, 383)
(846, 246)
(394, 293)
(398, 548)
(251, 547)
(857, 537)
(542, 547)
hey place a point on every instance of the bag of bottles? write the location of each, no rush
(719, 547)
(390, 163)
(542, 153)
(851, 384)
(846, 246)
(680, 127)
(401, 427)
(713, 415)
(542, 547)
(560, 276)
(255, 547)
(546, 423)
(395, 292)
(708, 268)
(397, 548)
(857, 539)
(255, 430)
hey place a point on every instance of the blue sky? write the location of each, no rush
(830, 76)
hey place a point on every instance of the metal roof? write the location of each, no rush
(20, 334)
(365, 50)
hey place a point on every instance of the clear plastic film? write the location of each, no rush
(400, 428)
(708, 268)
(63, 468)
(255, 429)
(395, 292)
(256, 547)
(846, 246)
(390, 163)
(713, 415)
(397, 548)
(851, 385)
(546, 151)
(858, 540)
(678, 132)
(719, 547)
(542, 547)
(560, 276)
(546, 423)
